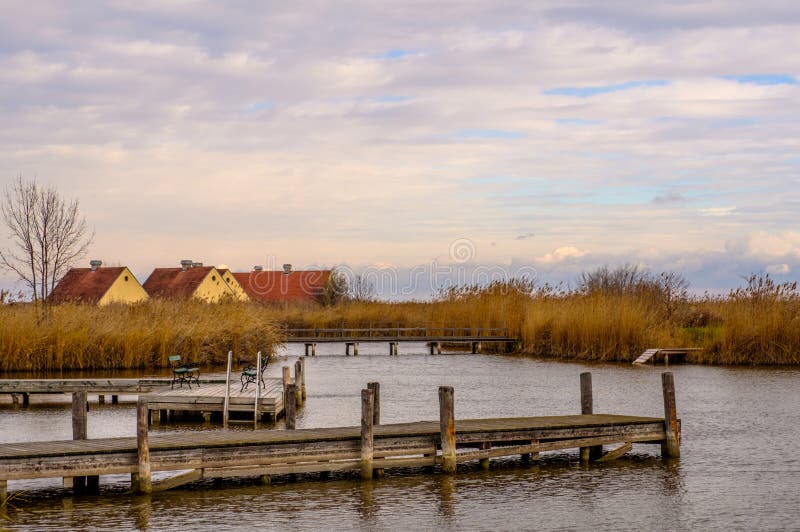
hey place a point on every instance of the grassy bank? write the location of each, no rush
(757, 324)
(139, 336)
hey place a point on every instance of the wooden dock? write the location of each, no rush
(665, 355)
(370, 448)
(210, 398)
(434, 336)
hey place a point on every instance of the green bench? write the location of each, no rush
(250, 373)
(183, 373)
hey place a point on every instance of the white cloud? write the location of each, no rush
(778, 269)
(561, 254)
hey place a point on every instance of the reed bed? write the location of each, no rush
(125, 337)
(758, 324)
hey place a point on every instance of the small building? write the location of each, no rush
(287, 285)
(232, 283)
(191, 281)
(97, 285)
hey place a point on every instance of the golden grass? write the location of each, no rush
(138, 336)
(756, 325)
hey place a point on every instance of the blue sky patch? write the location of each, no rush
(586, 92)
(764, 79)
(488, 134)
(395, 53)
(261, 106)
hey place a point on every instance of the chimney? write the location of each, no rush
(197, 265)
(287, 269)
(94, 264)
(186, 264)
(258, 268)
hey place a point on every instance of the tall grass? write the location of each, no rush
(137, 336)
(757, 324)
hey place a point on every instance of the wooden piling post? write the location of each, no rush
(101, 399)
(587, 407)
(438, 348)
(257, 402)
(303, 378)
(227, 403)
(287, 379)
(290, 408)
(355, 349)
(3, 492)
(298, 380)
(141, 481)
(114, 399)
(447, 428)
(79, 430)
(26, 399)
(367, 419)
(671, 448)
(376, 414)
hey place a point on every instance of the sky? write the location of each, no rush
(544, 138)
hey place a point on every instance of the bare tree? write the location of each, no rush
(337, 288)
(47, 235)
(362, 288)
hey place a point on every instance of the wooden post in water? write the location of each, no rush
(376, 413)
(671, 448)
(287, 380)
(298, 381)
(256, 404)
(140, 481)
(447, 428)
(79, 431)
(226, 405)
(587, 407)
(367, 419)
(290, 407)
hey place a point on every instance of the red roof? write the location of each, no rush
(175, 283)
(279, 286)
(82, 285)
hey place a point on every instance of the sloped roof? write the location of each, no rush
(175, 283)
(300, 285)
(82, 285)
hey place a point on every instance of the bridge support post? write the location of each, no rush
(312, 347)
(348, 345)
(140, 481)
(447, 428)
(299, 380)
(367, 444)
(26, 399)
(476, 348)
(79, 431)
(393, 348)
(587, 407)
(436, 348)
(290, 408)
(671, 448)
(114, 399)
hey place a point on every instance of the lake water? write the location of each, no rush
(739, 467)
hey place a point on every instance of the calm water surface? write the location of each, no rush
(739, 468)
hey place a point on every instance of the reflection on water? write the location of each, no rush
(739, 467)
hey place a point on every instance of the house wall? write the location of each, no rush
(236, 289)
(212, 288)
(125, 289)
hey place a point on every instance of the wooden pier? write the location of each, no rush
(665, 355)
(434, 336)
(369, 449)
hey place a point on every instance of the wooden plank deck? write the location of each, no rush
(102, 386)
(211, 398)
(277, 451)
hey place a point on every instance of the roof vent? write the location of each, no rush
(258, 268)
(197, 265)
(186, 264)
(287, 269)
(94, 264)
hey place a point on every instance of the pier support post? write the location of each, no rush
(476, 348)
(311, 347)
(447, 428)
(79, 430)
(114, 399)
(15, 401)
(101, 399)
(671, 448)
(290, 408)
(587, 407)
(299, 380)
(367, 419)
(140, 481)
(393, 348)
(287, 380)
(227, 402)
(26, 399)
(375, 387)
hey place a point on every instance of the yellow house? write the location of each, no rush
(233, 283)
(98, 286)
(191, 281)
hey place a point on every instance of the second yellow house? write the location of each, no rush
(191, 281)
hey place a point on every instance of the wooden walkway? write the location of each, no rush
(209, 398)
(674, 354)
(369, 448)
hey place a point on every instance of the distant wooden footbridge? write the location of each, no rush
(433, 336)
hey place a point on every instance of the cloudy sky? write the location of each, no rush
(552, 136)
